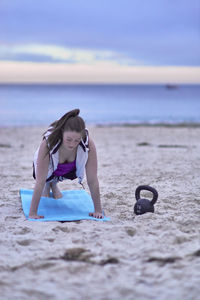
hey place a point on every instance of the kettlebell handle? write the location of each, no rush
(146, 188)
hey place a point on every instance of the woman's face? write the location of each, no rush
(71, 139)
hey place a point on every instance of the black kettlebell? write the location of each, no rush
(144, 205)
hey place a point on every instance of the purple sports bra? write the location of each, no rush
(65, 168)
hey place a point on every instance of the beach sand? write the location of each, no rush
(152, 256)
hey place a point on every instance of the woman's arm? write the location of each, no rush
(42, 170)
(92, 180)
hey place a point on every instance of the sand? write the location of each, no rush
(152, 256)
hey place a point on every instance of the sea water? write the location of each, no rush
(30, 105)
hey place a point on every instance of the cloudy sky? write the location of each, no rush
(122, 33)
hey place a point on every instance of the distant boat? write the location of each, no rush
(172, 86)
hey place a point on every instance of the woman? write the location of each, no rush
(66, 152)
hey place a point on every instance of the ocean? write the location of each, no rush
(35, 105)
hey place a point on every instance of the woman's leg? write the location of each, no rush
(46, 190)
(55, 190)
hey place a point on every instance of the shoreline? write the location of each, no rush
(110, 125)
(173, 125)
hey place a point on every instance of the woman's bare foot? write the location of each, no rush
(46, 190)
(56, 192)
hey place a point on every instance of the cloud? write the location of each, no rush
(153, 32)
(53, 53)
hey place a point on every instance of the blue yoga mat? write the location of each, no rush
(74, 205)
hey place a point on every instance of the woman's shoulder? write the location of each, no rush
(91, 144)
(43, 148)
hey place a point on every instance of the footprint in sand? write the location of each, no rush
(130, 231)
(25, 242)
(42, 266)
(84, 255)
(110, 195)
(23, 230)
(110, 260)
(64, 229)
(5, 146)
(60, 228)
(11, 218)
(50, 240)
(163, 260)
(34, 294)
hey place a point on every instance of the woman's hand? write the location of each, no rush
(35, 216)
(96, 215)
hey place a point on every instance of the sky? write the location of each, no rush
(111, 33)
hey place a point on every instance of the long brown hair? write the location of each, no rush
(70, 121)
